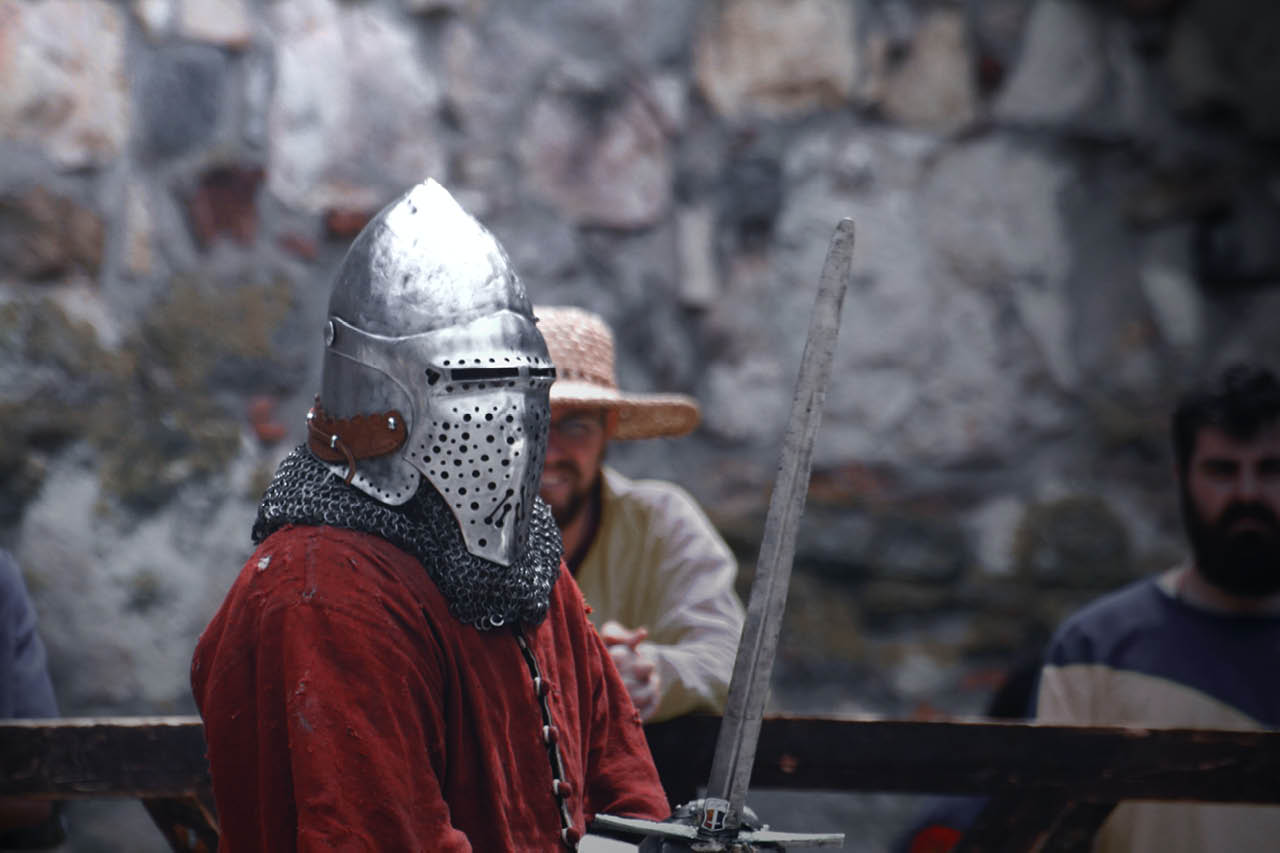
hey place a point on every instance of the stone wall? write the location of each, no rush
(1065, 210)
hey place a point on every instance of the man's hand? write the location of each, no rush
(635, 664)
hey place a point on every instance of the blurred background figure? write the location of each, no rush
(25, 692)
(655, 572)
(1199, 645)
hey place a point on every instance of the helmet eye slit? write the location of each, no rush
(487, 374)
(482, 374)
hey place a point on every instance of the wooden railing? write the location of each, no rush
(1050, 786)
(158, 760)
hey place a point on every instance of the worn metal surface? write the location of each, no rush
(428, 317)
(749, 689)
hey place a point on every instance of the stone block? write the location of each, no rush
(777, 57)
(934, 87)
(997, 27)
(993, 527)
(1080, 71)
(487, 99)
(1061, 71)
(1224, 54)
(1074, 541)
(851, 545)
(63, 81)
(122, 601)
(1236, 248)
(156, 432)
(434, 7)
(992, 215)
(611, 39)
(52, 373)
(181, 90)
(1165, 276)
(156, 16)
(926, 327)
(600, 160)
(299, 245)
(355, 113)
(1199, 82)
(224, 203)
(262, 416)
(343, 224)
(139, 231)
(699, 279)
(46, 236)
(226, 23)
(751, 190)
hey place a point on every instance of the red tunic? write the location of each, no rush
(346, 709)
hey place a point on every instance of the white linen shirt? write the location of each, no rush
(657, 562)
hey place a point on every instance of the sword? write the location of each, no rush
(719, 825)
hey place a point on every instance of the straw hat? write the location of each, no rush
(581, 347)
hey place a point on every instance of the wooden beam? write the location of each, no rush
(144, 757)
(159, 757)
(970, 757)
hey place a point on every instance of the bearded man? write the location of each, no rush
(404, 663)
(1199, 646)
(657, 575)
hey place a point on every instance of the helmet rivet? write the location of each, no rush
(328, 333)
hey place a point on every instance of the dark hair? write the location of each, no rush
(1240, 401)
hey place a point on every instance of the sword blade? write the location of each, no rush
(749, 687)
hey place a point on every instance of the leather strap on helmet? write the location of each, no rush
(358, 437)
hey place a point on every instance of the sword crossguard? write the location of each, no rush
(684, 836)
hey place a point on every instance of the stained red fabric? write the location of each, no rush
(346, 709)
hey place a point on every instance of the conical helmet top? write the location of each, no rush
(431, 337)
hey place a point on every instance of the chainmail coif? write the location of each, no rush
(480, 592)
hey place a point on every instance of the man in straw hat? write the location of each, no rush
(657, 575)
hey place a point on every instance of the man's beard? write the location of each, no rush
(566, 511)
(583, 482)
(1243, 563)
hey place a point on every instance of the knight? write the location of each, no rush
(404, 663)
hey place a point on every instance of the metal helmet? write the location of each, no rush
(431, 350)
